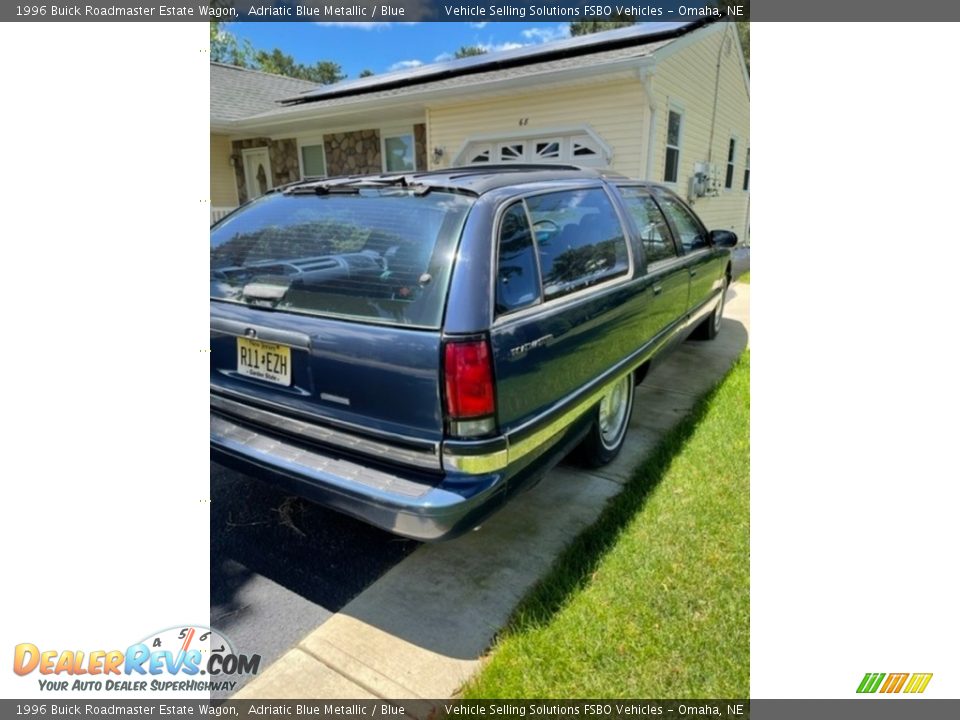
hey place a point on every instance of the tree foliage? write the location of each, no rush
(226, 48)
(366, 72)
(469, 51)
(743, 29)
(278, 62)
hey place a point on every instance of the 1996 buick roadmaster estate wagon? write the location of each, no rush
(413, 349)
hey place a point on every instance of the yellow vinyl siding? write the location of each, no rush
(616, 110)
(686, 80)
(223, 183)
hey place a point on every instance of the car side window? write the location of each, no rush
(518, 285)
(692, 235)
(654, 233)
(579, 239)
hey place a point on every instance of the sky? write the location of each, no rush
(383, 47)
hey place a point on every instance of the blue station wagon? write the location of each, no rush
(413, 349)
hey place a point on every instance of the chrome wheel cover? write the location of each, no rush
(718, 313)
(612, 417)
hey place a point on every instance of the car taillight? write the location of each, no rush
(468, 381)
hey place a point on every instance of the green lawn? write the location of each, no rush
(653, 601)
(745, 278)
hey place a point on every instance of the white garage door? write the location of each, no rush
(580, 148)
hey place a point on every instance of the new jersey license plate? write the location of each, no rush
(264, 361)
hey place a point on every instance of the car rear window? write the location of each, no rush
(380, 255)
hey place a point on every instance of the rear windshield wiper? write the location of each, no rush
(354, 186)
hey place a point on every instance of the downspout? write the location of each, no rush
(646, 78)
(716, 94)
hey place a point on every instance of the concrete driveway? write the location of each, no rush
(420, 629)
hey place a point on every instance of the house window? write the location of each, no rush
(746, 172)
(399, 152)
(313, 161)
(731, 154)
(671, 167)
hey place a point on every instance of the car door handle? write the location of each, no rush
(657, 289)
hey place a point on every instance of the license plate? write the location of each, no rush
(263, 361)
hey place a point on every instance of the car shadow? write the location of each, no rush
(257, 531)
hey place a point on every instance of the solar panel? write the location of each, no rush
(641, 31)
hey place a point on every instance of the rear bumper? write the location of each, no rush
(422, 506)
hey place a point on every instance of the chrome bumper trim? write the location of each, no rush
(428, 459)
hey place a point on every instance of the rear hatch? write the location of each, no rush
(326, 307)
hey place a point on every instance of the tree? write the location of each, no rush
(469, 51)
(743, 29)
(586, 27)
(366, 72)
(226, 48)
(278, 62)
(324, 72)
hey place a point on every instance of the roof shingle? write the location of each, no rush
(237, 92)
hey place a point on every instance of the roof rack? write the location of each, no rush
(467, 170)
(473, 179)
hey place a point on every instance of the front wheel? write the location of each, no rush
(612, 418)
(710, 327)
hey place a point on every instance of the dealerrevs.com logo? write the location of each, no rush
(182, 659)
(894, 683)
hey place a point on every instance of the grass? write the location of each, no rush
(654, 599)
(745, 278)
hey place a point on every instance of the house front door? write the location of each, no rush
(256, 172)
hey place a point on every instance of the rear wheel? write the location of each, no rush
(612, 418)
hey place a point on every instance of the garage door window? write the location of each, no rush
(547, 150)
(579, 148)
(579, 239)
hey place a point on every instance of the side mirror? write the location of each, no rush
(723, 238)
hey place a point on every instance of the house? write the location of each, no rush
(668, 102)
(237, 93)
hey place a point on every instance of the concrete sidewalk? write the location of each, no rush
(421, 629)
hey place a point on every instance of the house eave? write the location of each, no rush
(426, 95)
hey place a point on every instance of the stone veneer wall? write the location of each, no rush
(347, 153)
(284, 161)
(352, 153)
